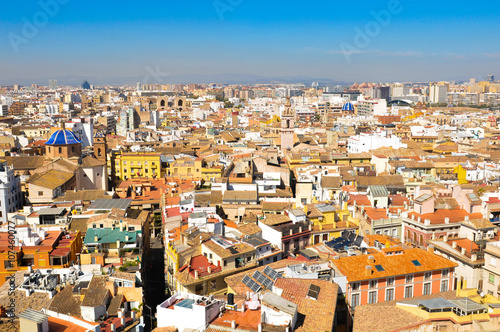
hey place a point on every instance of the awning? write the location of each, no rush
(130, 246)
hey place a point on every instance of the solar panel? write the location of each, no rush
(352, 236)
(256, 275)
(255, 287)
(246, 280)
(268, 283)
(271, 273)
(313, 292)
(186, 303)
(345, 235)
(358, 241)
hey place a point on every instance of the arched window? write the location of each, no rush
(99, 152)
(179, 103)
(162, 103)
(60, 150)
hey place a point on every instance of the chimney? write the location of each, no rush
(473, 257)
(96, 238)
(291, 231)
(371, 259)
(120, 313)
(427, 222)
(466, 218)
(132, 314)
(122, 321)
(113, 327)
(464, 251)
(233, 324)
(368, 270)
(300, 229)
(445, 238)
(430, 249)
(196, 274)
(446, 220)
(209, 270)
(454, 245)
(419, 219)
(310, 227)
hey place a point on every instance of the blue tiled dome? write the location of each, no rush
(62, 137)
(348, 107)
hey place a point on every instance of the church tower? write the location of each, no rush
(287, 126)
(100, 146)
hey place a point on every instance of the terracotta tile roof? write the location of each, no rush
(249, 229)
(65, 303)
(84, 195)
(124, 276)
(438, 216)
(236, 249)
(295, 290)
(386, 316)
(115, 305)
(275, 219)
(354, 267)
(96, 292)
(50, 179)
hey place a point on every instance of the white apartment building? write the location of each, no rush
(366, 142)
(10, 191)
(438, 93)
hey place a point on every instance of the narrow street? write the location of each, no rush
(154, 282)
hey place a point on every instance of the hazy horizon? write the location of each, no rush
(159, 41)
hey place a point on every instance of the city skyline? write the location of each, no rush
(164, 42)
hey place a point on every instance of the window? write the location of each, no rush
(40, 193)
(444, 286)
(408, 292)
(101, 225)
(390, 281)
(354, 300)
(94, 226)
(427, 275)
(146, 170)
(491, 278)
(373, 283)
(225, 263)
(372, 297)
(427, 288)
(72, 149)
(355, 286)
(210, 256)
(60, 150)
(131, 228)
(493, 261)
(389, 294)
(409, 278)
(205, 254)
(445, 273)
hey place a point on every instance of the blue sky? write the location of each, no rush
(113, 40)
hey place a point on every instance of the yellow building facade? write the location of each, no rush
(132, 165)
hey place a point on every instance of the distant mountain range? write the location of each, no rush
(175, 79)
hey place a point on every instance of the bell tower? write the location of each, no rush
(287, 126)
(100, 146)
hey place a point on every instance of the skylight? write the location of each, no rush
(416, 263)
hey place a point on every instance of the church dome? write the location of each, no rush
(63, 137)
(348, 107)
